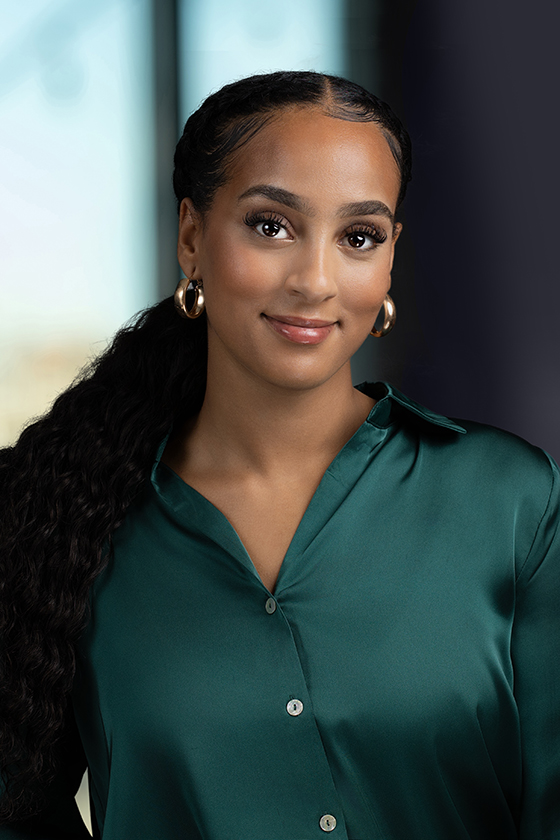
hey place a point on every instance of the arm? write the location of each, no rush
(60, 818)
(536, 661)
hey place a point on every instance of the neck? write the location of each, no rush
(247, 425)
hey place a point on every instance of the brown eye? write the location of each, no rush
(268, 225)
(357, 240)
(364, 237)
(270, 228)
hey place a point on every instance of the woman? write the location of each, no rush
(312, 608)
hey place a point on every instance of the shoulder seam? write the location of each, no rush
(545, 511)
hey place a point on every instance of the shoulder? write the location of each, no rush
(481, 452)
(479, 445)
(510, 479)
(493, 470)
(504, 456)
(512, 486)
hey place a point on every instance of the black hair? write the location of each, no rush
(233, 115)
(66, 485)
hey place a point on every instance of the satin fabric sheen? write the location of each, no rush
(417, 620)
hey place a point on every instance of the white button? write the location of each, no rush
(295, 708)
(327, 822)
(270, 606)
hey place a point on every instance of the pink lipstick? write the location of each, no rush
(301, 330)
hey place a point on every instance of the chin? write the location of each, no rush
(299, 381)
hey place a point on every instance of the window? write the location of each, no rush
(76, 187)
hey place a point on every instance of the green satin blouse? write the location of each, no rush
(401, 683)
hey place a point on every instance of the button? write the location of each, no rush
(270, 606)
(295, 708)
(327, 822)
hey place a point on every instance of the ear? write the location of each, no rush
(190, 232)
(397, 228)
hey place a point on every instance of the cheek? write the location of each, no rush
(364, 289)
(235, 273)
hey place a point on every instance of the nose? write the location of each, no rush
(312, 274)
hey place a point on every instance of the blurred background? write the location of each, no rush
(93, 94)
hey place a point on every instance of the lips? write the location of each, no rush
(300, 330)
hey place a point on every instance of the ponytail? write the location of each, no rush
(64, 489)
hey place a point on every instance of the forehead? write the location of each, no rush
(318, 157)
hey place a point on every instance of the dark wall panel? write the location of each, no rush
(478, 286)
(166, 133)
(375, 35)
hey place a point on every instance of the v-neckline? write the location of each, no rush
(333, 487)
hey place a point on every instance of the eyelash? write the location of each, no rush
(377, 235)
(253, 219)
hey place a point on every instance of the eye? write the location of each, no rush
(364, 237)
(272, 229)
(268, 225)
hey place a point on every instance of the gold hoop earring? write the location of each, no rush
(179, 299)
(389, 319)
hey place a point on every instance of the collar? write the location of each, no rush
(382, 414)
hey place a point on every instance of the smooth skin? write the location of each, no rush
(278, 408)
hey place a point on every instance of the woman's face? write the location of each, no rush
(296, 250)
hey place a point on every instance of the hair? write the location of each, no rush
(66, 485)
(230, 117)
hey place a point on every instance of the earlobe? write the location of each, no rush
(189, 236)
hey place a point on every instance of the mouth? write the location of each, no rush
(300, 330)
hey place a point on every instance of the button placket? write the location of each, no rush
(295, 707)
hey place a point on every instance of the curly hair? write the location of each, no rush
(66, 485)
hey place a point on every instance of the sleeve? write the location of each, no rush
(536, 664)
(60, 819)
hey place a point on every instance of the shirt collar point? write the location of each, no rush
(385, 394)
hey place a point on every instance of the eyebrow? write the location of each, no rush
(366, 208)
(290, 199)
